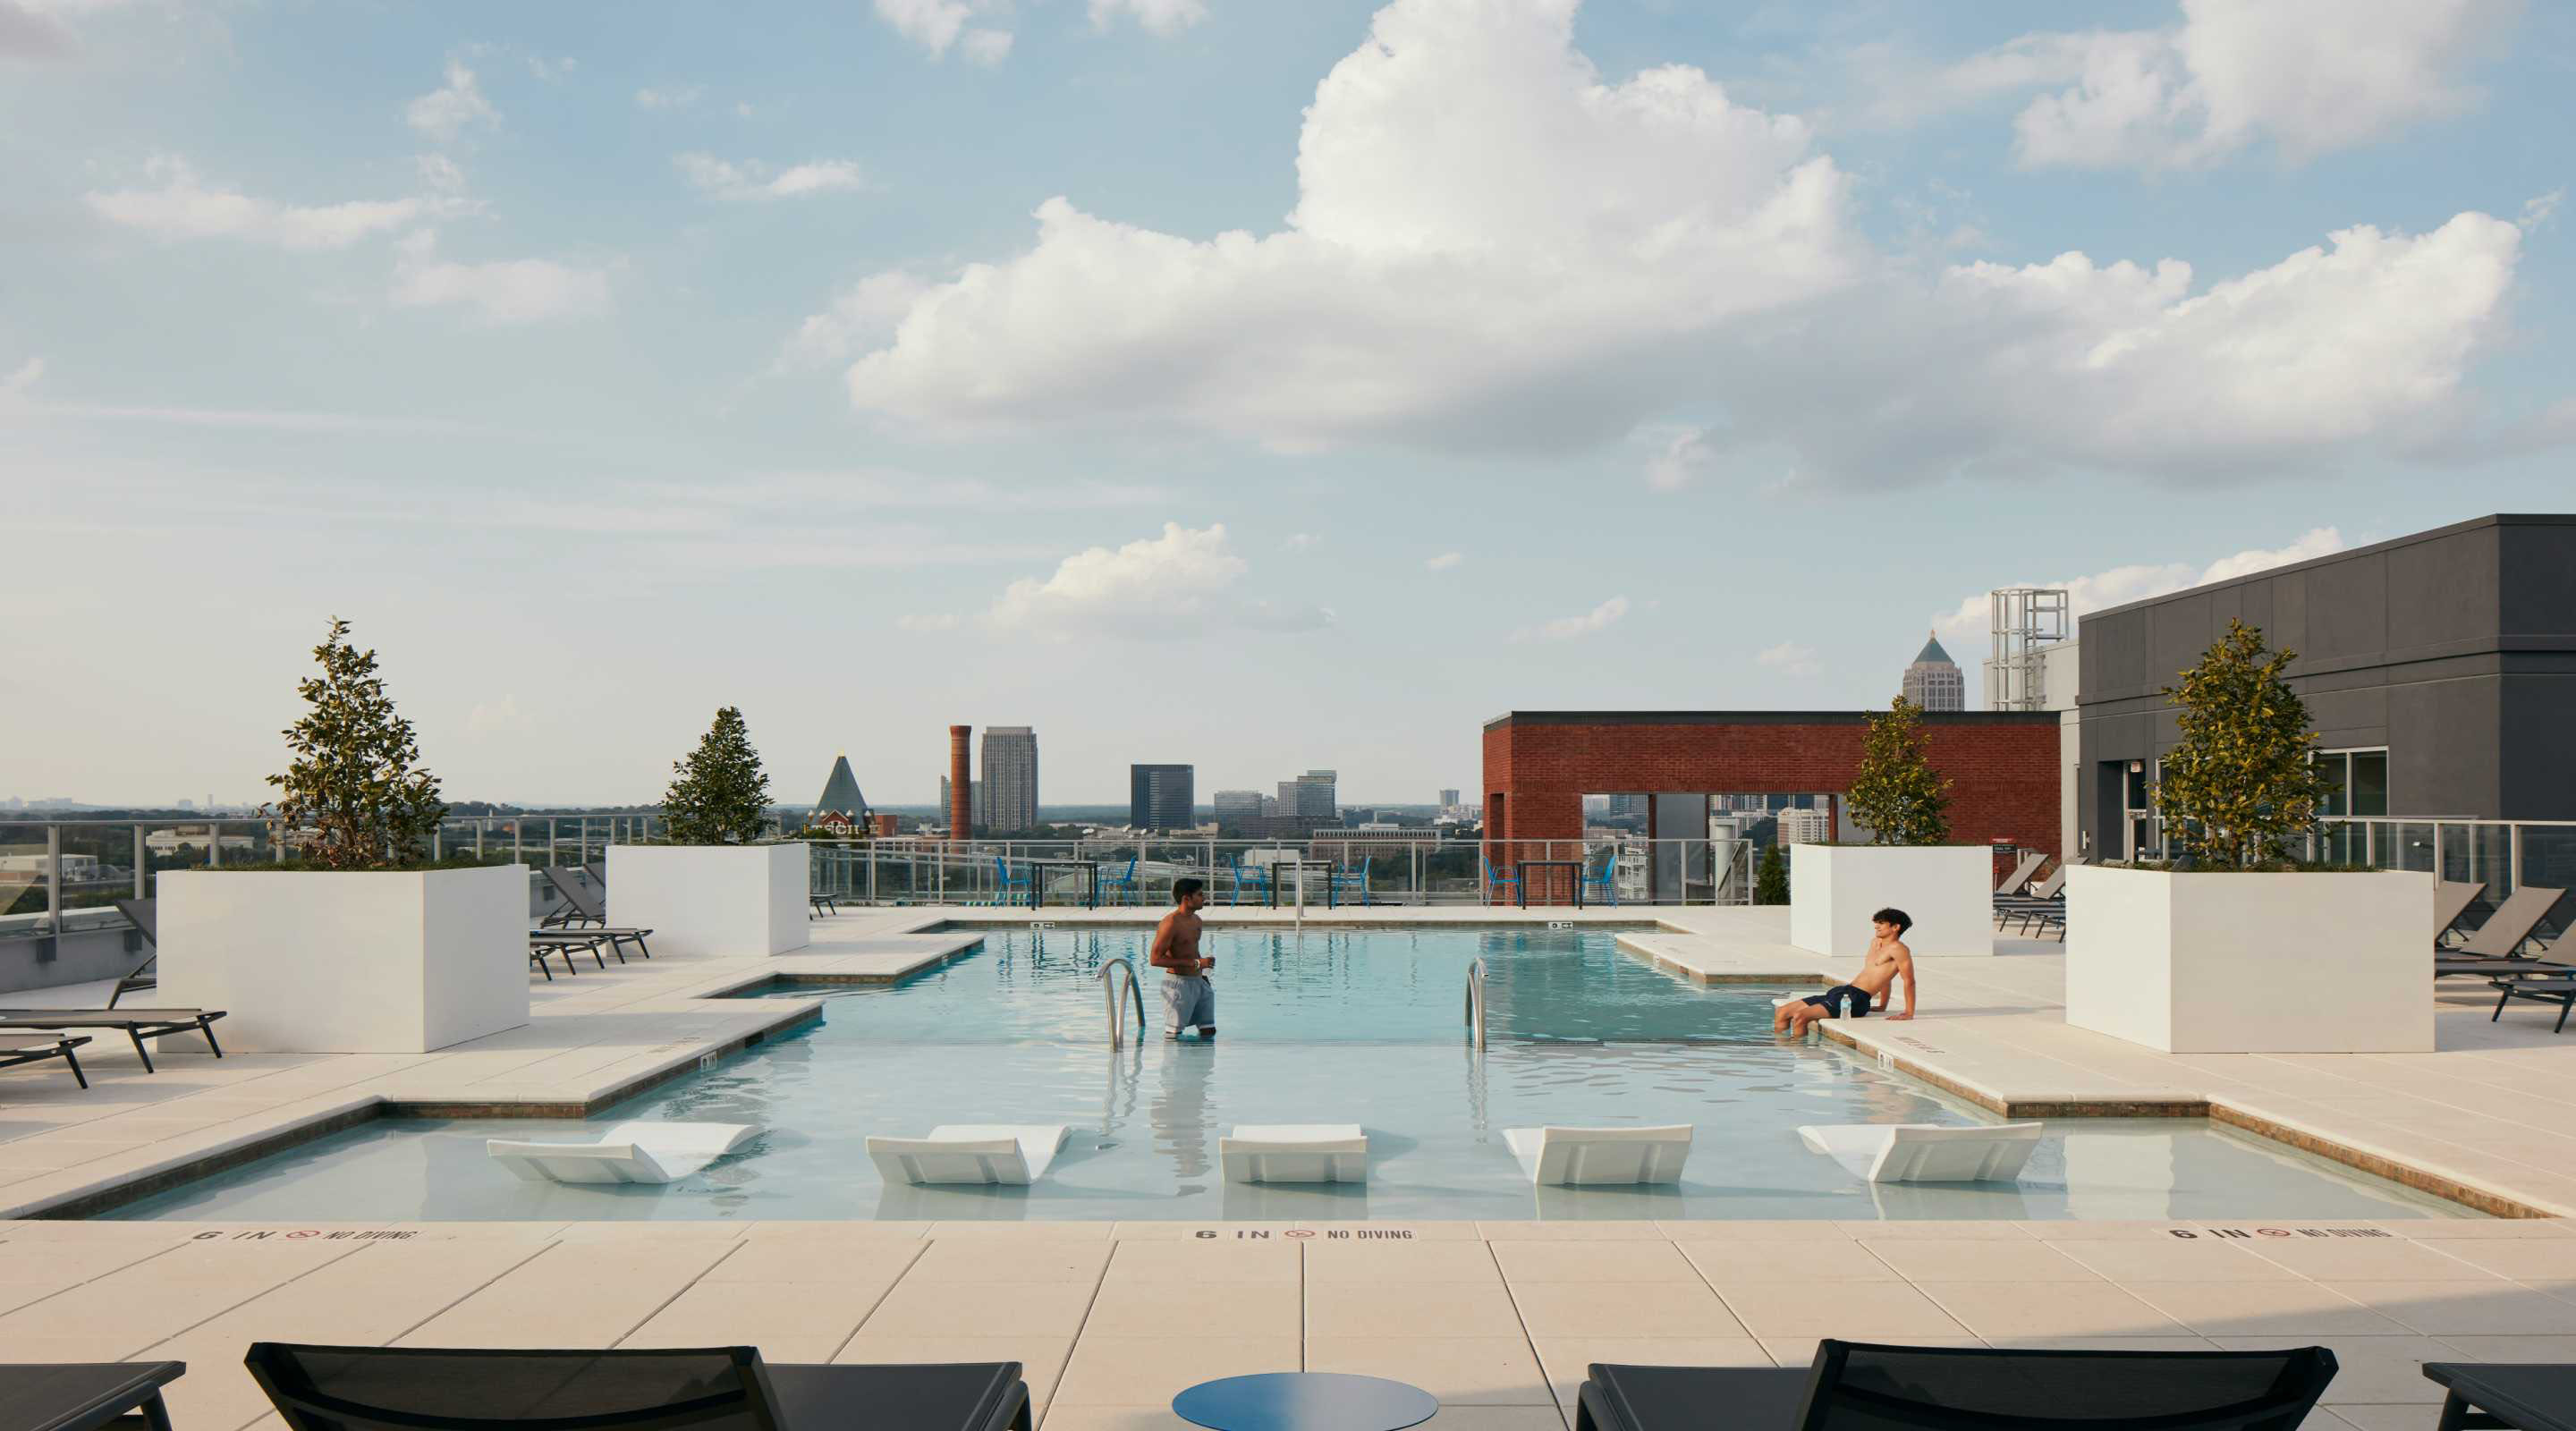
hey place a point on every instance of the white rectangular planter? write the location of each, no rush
(373, 962)
(1948, 890)
(2251, 963)
(712, 899)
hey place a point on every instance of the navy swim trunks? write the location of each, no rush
(1832, 1000)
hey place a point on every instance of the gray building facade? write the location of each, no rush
(1159, 797)
(2439, 671)
(1010, 783)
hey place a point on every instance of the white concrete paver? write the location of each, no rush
(1109, 1330)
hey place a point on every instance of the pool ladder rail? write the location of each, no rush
(1118, 1013)
(1475, 1004)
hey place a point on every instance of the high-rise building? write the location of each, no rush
(1448, 799)
(1309, 794)
(1236, 806)
(1934, 681)
(1805, 827)
(1159, 797)
(1010, 779)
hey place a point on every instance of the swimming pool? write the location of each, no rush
(1343, 1026)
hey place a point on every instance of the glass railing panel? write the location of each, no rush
(2403, 845)
(25, 899)
(2549, 862)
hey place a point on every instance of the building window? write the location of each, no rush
(2356, 781)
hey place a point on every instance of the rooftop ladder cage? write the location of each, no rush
(2022, 623)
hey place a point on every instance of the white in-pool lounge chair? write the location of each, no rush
(1596, 1157)
(644, 1152)
(1926, 1152)
(1295, 1153)
(968, 1153)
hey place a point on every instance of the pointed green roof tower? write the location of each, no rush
(841, 793)
(1933, 653)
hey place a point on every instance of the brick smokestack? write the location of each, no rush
(960, 822)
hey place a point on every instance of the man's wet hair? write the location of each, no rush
(1184, 888)
(1902, 920)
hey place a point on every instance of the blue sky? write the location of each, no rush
(1258, 385)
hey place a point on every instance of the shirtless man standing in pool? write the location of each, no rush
(1188, 1001)
(1888, 960)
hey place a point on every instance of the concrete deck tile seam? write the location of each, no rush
(919, 1246)
(229, 1308)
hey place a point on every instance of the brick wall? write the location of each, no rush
(2003, 771)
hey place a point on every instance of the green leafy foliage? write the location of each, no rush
(2241, 786)
(354, 782)
(1897, 794)
(721, 795)
(1771, 880)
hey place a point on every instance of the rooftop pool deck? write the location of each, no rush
(1497, 1316)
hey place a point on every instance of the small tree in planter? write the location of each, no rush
(721, 795)
(1771, 883)
(2241, 786)
(353, 780)
(1897, 794)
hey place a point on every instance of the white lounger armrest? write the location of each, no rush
(992, 1154)
(638, 1152)
(1926, 1152)
(1295, 1153)
(1592, 1157)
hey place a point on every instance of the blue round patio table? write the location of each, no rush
(1305, 1401)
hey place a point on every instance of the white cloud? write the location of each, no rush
(1490, 243)
(934, 621)
(680, 97)
(184, 208)
(1566, 628)
(1495, 248)
(440, 174)
(501, 717)
(22, 379)
(1299, 541)
(1685, 454)
(444, 112)
(1971, 619)
(508, 292)
(2309, 77)
(754, 180)
(1791, 657)
(43, 29)
(1180, 581)
(1444, 562)
(1158, 17)
(551, 70)
(936, 25)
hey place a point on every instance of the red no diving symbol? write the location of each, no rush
(1301, 1232)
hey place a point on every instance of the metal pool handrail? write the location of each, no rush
(1475, 1003)
(1117, 1016)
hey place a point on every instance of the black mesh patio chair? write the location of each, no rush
(135, 1024)
(1855, 1386)
(583, 911)
(18, 1048)
(145, 916)
(319, 1388)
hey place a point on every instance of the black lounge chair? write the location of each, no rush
(2013, 883)
(542, 942)
(2451, 900)
(2043, 906)
(87, 1395)
(2559, 991)
(719, 1389)
(18, 1048)
(2494, 948)
(591, 917)
(145, 915)
(136, 1024)
(1854, 1386)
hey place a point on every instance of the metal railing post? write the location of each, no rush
(479, 823)
(142, 864)
(214, 845)
(54, 878)
(552, 835)
(519, 842)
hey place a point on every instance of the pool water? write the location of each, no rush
(1346, 1026)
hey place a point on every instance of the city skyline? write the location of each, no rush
(977, 366)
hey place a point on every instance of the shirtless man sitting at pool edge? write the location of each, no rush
(1888, 960)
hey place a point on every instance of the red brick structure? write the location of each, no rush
(1540, 764)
